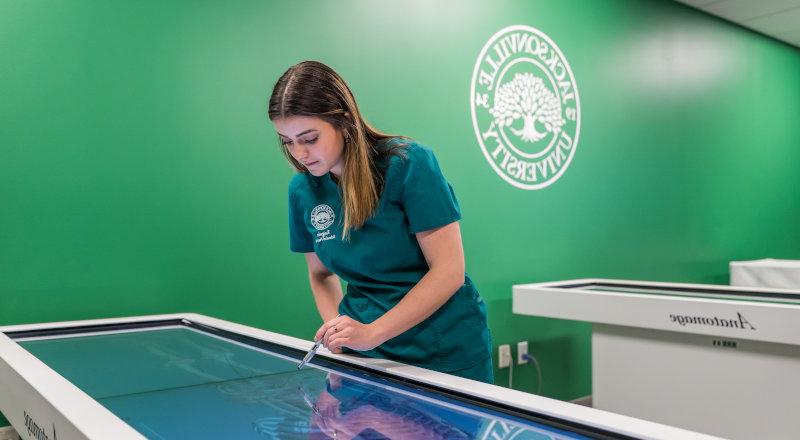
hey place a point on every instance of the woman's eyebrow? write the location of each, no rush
(299, 134)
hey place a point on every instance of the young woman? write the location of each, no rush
(375, 211)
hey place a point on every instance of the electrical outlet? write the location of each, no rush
(522, 351)
(504, 356)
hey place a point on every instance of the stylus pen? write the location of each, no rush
(313, 350)
(310, 354)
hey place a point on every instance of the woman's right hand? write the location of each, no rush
(344, 331)
(322, 332)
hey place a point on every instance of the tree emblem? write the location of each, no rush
(527, 97)
(322, 217)
(525, 107)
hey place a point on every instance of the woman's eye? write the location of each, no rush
(311, 141)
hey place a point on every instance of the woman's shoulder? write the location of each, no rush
(410, 160)
(407, 151)
(300, 182)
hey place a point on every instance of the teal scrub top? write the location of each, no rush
(382, 260)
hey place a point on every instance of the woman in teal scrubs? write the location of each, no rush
(375, 211)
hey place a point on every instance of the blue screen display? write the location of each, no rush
(180, 383)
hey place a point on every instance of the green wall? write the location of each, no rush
(138, 173)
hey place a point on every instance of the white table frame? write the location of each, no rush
(28, 386)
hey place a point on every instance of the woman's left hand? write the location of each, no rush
(344, 331)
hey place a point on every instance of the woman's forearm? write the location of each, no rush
(432, 291)
(327, 291)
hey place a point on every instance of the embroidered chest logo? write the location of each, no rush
(322, 217)
(525, 107)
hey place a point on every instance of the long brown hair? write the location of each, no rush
(311, 88)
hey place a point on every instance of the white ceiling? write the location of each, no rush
(779, 19)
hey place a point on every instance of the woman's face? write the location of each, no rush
(313, 142)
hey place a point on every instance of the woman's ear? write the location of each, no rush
(347, 115)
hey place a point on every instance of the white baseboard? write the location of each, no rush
(585, 401)
(8, 433)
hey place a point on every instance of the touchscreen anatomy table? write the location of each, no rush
(192, 376)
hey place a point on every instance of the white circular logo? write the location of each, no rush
(322, 217)
(525, 107)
